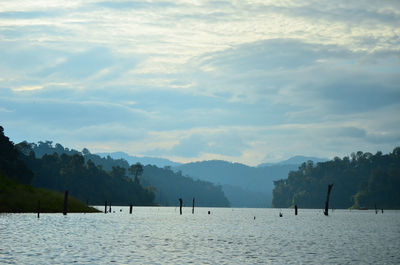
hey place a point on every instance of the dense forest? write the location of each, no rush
(167, 185)
(16, 193)
(83, 179)
(170, 184)
(361, 180)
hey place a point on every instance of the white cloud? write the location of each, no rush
(236, 80)
(27, 88)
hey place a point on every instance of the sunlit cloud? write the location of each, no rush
(27, 88)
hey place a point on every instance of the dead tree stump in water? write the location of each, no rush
(193, 206)
(105, 207)
(38, 209)
(327, 199)
(180, 206)
(130, 209)
(110, 208)
(295, 209)
(65, 203)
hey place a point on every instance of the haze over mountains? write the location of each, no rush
(144, 160)
(243, 185)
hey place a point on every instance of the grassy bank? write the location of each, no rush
(17, 198)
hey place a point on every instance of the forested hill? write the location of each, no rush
(84, 180)
(361, 180)
(243, 185)
(170, 184)
(167, 185)
(16, 194)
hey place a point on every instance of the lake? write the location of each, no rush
(159, 235)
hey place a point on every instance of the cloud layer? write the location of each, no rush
(244, 81)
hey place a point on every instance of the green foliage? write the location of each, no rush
(10, 163)
(163, 184)
(136, 171)
(360, 181)
(20, 198)
(86, 181)
(170, 186)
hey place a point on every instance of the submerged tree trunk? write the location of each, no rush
(180, 206)
(327, 199)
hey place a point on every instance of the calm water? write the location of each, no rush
(227, 236)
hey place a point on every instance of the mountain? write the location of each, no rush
(170, 186)
(16, 193)
(166, 184)
(362, 180)
(243, 185)
(295, 160)
(159, 162)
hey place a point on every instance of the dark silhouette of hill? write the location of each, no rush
(243, 185)
(172, 185)
(159, 162)
(167, 185)
(70, 170)
(361, 180)
(16, 193)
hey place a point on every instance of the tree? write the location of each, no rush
(118, 172)
(136, 171)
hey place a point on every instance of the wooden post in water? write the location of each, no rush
(295, 209)
(105, 207)
(180, 205)
(38, 210)
(65, 203)
(193, 206)
(327, 199)
(130, 209)
(110, 208)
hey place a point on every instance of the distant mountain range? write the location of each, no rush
(243, 185)
(163, 162)
(159, 162)
(295, 160)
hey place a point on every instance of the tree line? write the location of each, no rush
(166, 185)
(69, 171)
(361, 180)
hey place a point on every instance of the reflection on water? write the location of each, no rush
(226, 236)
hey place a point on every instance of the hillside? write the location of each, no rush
(170, 186)
(16, 193)
(166, 185)
(362, 180)
(243, 185)
(21, 198)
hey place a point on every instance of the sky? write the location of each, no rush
(243, 81)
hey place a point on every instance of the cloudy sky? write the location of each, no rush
(245, 81)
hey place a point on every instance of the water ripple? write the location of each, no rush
(161, 236)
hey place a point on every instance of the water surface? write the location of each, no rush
(153, 235)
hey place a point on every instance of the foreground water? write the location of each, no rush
(226, 236)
